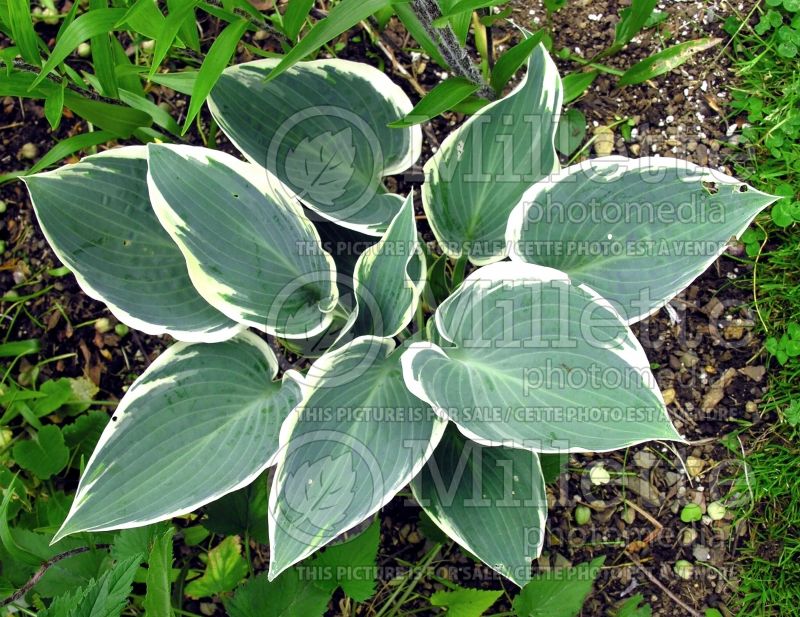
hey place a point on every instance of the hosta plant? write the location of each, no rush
(301, 247)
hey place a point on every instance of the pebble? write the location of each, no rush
(695, 466)
(701, 553)
(644, 459)
(28, 151)
(604, 141)
(688, 536)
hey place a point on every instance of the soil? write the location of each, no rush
(704, 352)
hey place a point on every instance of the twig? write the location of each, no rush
(663, 588)
(445, 39)
(401, 70)
(43, 569)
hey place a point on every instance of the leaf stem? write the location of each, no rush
(445, 39)
(37, 576)
(459, 269)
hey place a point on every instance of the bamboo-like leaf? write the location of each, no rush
(23, 34)
(169, 30)
(665, 61)
(575, 84)
(295, 16)
(215, 62)
(510, 62)
(343, 16)
(103, 57)
(93, 23)
(444, 96)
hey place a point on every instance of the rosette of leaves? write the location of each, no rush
(526, 357)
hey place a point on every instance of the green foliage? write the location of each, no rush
(635, 606)
(243, 512)
(45, 455)
(104, 597)
(158, 598)
(225, 568)
(291, 594)
(691, 512)
(462, 602)
(558, 593)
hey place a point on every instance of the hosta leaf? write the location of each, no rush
(530, 360)
(389, 278)
(225, 568)
(355, 440)
(637, 231)
(250, 251)
(325, 136)
(96, 215)
(201, 421)
(490, 500)
(482, 169)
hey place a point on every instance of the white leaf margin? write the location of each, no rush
(309, 385)
(383, 85)
(208, 287)
(140, 387)
(431, 167)
(508, 271)
(695, 173)
(374, 252)
(148, 327)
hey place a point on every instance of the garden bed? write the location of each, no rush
(704, 352)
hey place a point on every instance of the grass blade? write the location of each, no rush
(144, 18)
(664, 61)
(443, 97)
(508, 64)
(575, 84)
(341, 17)
(215, 62)
(632, 20)
(160, 117)
(54, 107)
(93, 23)
(188, 29)
(415, 29)
(103, 57)
(169, 30)
(462, 6)
(19, 348)
(295, 17)
(19, 16)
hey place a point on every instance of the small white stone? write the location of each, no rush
(598, 475)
